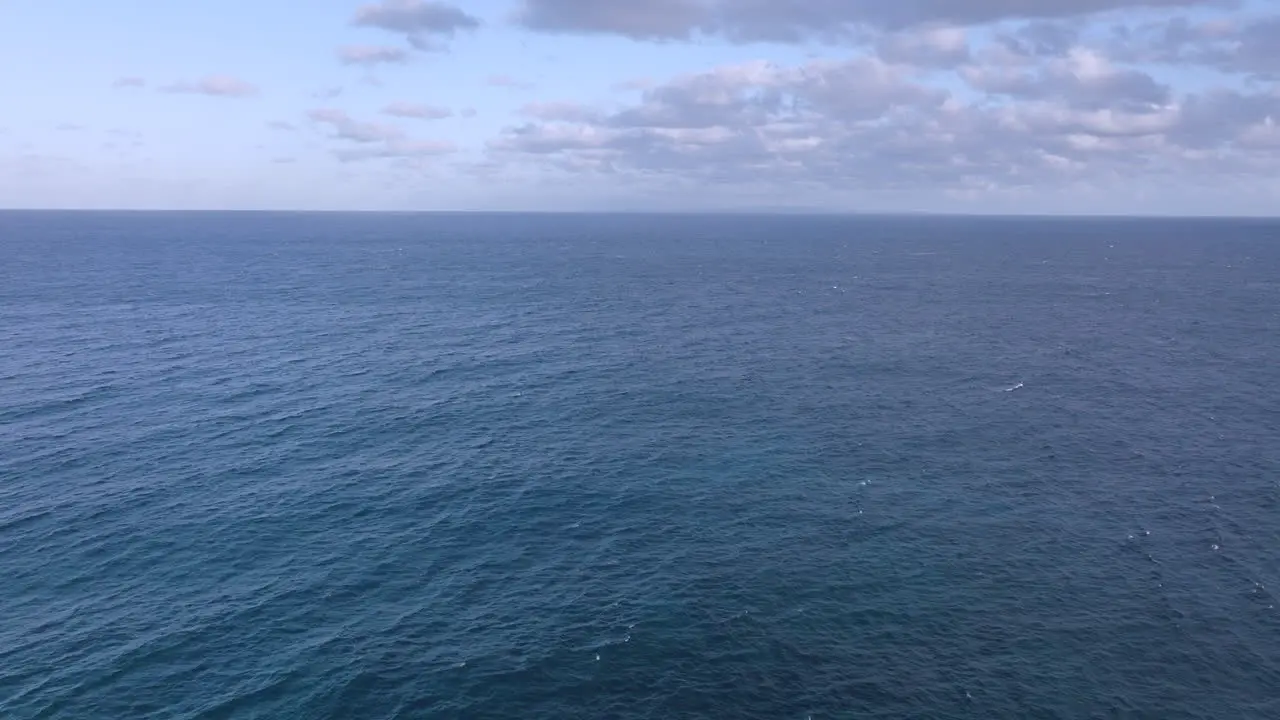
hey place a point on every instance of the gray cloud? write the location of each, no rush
(1259, 48)
(129, 82)
(402, 149)
(634, 84)
(375, 141)
(938, 46)
(281, 126)
(795, 20)
(346, 128)
(1075, 118)
(1043, 38)
(656, 20)
(424, 23)
(757, 93)
(724, 122)
(370, 55)
(1083, 78)
(1217, 118)
(416, 111)
(1231, 45)
(214, 86)
(561, 111)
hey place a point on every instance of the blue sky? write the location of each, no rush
(1072, 106)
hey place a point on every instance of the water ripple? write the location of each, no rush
(491, 466)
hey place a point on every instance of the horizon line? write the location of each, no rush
(768, 212)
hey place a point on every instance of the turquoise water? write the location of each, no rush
(487, 466)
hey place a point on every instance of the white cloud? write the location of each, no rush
(374, 140)
(426, 25)
(1237, 44)
(402, 149)
(567, 111)
(371, 55)
(215, 86)
(345, 128)
(797, 20)
(872, 123)
(939, 46)
(416, 111)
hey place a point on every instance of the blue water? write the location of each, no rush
(469, 466)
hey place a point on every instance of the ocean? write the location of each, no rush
(388, 466)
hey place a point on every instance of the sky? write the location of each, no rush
(970, 106)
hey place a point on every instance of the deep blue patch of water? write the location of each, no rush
(380, 466)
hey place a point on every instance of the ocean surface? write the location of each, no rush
(518, 466)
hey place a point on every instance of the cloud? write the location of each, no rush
(717, 120)
(1084, 78)
(1262, 135)
(561, 111)
(1039, 39)
(129, 82)
(797, 20)
(403, 149)
(939, 46)
(416, 111)
(281, 126)
(873, 123)
(378, 141)
(371, 55)
(345, 128)
(1240, 45)
(656, 20)
(634, 84)
(423, 23)
(214, 86)
(1219, 118)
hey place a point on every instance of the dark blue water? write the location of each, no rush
(348, 466)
